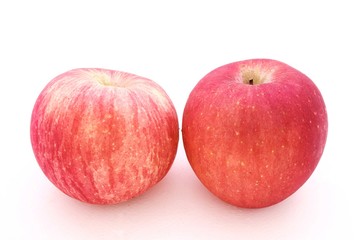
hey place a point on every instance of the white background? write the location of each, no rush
(175, 43)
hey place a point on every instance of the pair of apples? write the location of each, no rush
(253, 132)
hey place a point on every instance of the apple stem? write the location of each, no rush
(251, 81)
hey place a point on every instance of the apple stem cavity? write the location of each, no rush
(118, 80)
(251, 77)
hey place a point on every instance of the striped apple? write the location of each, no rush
(103, 136)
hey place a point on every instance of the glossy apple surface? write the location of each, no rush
(104, 136)
(254, 131)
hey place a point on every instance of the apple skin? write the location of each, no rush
(103, 136)
(254, 131)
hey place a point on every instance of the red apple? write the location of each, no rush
(104, 136)
(254, 131)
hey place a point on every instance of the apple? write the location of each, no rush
(103, 136)
(254, 131)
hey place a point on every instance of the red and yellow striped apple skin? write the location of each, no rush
(104, 136)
